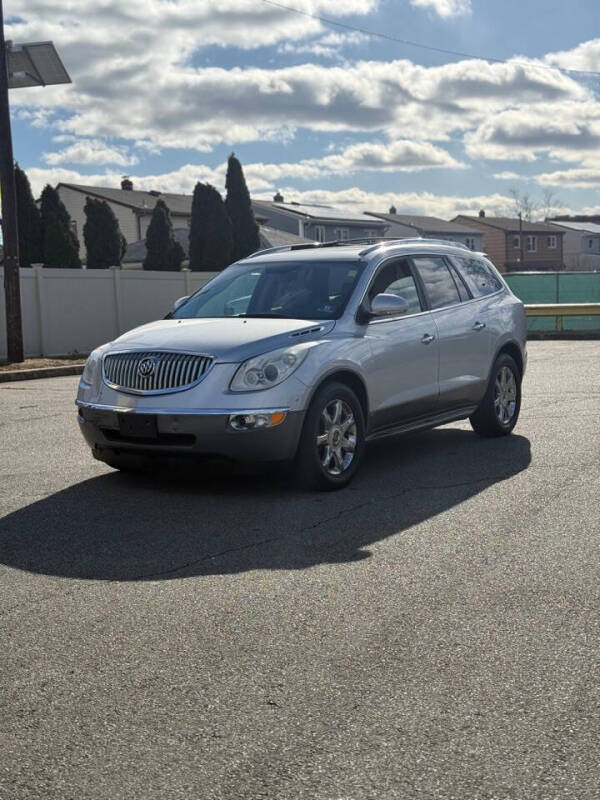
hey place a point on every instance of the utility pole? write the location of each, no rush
(520, 235)
(12, 289)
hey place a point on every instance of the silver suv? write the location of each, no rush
(306, 353)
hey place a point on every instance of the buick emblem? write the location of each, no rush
(146, 367)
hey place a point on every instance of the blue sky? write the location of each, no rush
(164, 90)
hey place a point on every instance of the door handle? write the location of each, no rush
(479, 326)
(428, 338)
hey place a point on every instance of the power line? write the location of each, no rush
(388, 37)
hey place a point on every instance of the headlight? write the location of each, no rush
(266, 371)
(91, 365)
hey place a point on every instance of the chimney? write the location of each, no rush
(278, 198)
(482, 213)
(126, 184)
(392, 210)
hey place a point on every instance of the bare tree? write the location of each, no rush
(523, 204)
(549, 203)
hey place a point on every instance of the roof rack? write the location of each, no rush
(373, 241)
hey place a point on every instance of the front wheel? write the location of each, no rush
(333, 438)
(498, 412)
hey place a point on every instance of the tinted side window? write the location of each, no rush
(479, 276)
(439, 283)
(396, 278)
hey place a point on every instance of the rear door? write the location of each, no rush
(464, 343)
(403, 371)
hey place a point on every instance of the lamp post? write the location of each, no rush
(24, 65)
(12, 289)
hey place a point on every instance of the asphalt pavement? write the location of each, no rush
(431, 632)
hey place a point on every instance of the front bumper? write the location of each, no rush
(204, 433)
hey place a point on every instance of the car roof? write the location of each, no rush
(355, 251)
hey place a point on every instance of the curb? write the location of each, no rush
(40, 372)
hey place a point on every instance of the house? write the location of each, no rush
(132, 208)
(513, 244)
(319, 223)
(269, 237)
(405, 225)
(581, 243)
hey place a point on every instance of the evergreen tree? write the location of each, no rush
(29, 221)
(60, 245)
(101, 234)
(176, 256)
(162, 250)
(211, 240)
(246, 238)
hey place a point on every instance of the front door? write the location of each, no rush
(464, 343)
(403, 371)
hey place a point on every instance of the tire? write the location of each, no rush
(334, 418)
(499, 410)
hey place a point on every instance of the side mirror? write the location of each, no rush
(388, 305)
(180, 302)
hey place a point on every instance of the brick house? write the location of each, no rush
(515, 245)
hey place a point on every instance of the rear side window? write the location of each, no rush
(439, 284)
(478, 275)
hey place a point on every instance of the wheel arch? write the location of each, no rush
(512, 349)
(353, 381)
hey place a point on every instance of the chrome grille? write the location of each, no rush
(153, 372)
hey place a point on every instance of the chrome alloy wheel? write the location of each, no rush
(336, 440)
(505, 395)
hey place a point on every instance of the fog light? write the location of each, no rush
(252, 421)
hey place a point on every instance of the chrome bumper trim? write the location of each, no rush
(175, 412)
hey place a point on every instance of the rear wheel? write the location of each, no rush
(332, 439)
(499, 410)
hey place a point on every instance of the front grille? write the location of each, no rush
(153, 372)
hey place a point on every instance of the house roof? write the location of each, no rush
(584, 227)
(269, 237)
(426, 224)
(316, 213)
(138, 200)
(511, 224)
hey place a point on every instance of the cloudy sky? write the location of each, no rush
(164, 90)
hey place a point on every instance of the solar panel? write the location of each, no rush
(35, 64)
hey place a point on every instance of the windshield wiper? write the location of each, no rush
(264, 316)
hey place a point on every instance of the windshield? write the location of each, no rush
(294, 290)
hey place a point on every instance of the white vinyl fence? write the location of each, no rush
(69, 311)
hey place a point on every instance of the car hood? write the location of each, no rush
(226, 340)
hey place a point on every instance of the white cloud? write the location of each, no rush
(90, 151)
(329, 46)
(585, 56)
(445, 8)
(587, 178)
(507, 175)
(567, 131)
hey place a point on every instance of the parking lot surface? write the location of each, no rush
(431, 632)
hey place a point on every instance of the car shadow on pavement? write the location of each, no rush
(128, 528)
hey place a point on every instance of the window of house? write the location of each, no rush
(73, 225)
(532, 244)
(320, 233)
(342, 234)
(371, 234)
(552, 242)
(516, 241)
(439, 284)
(590, 243)
(470, 242)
